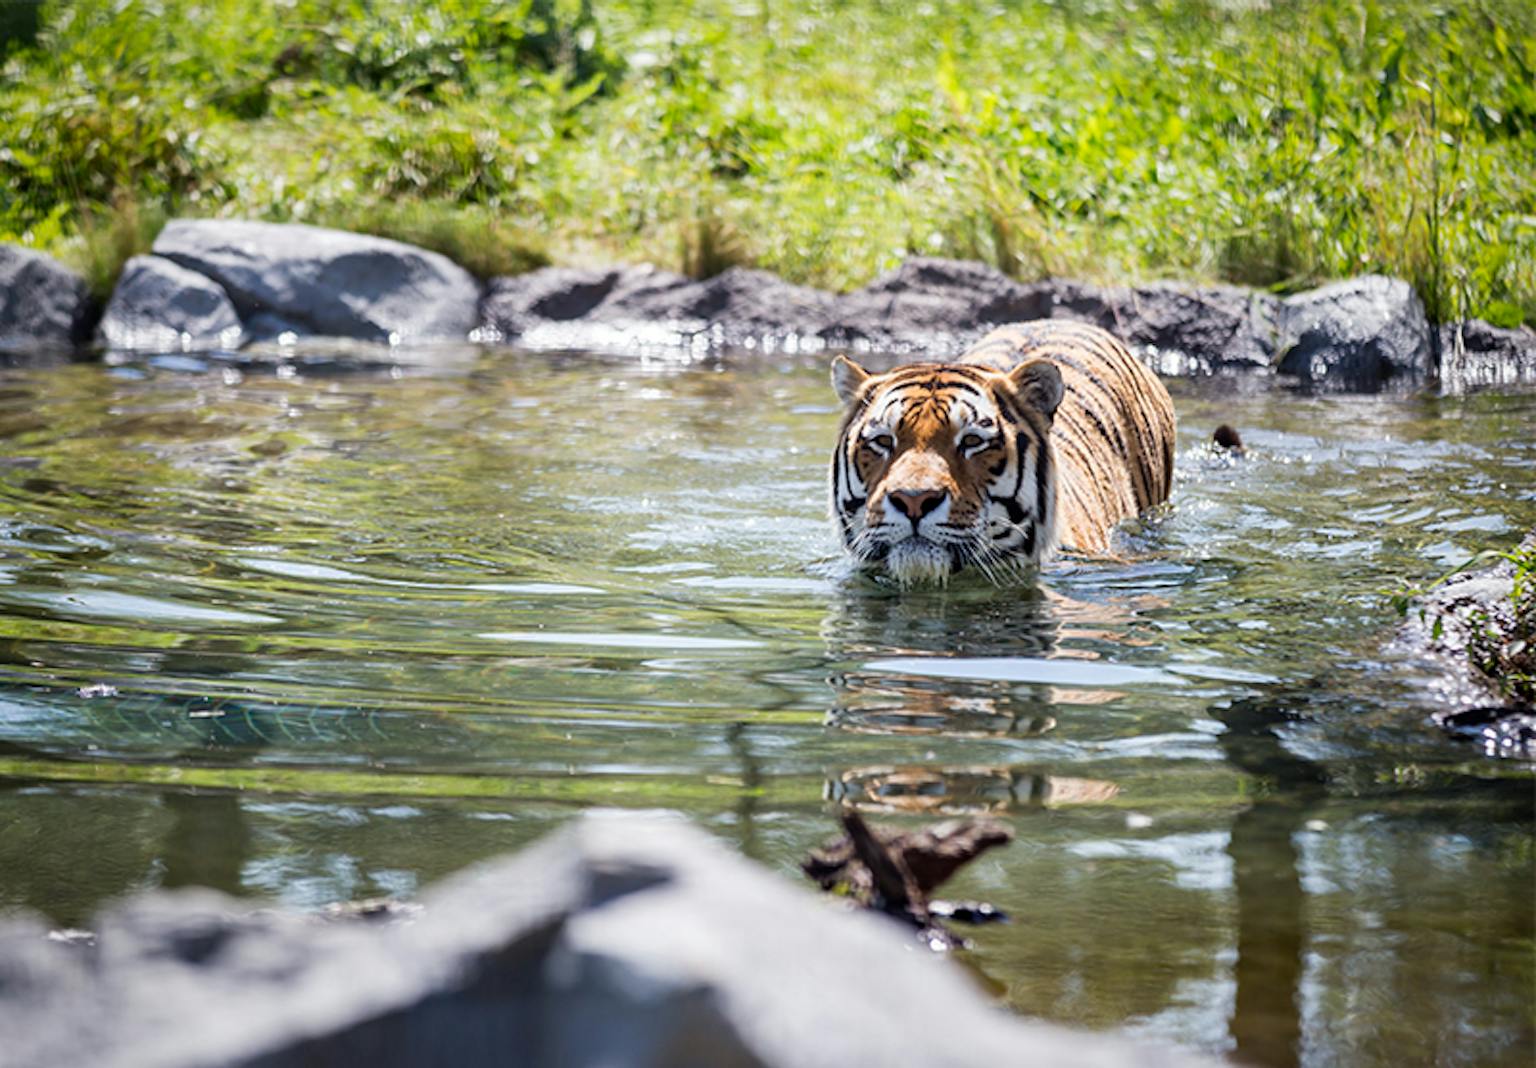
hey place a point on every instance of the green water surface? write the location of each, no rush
(342, 634)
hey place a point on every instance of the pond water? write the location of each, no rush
(364, 629)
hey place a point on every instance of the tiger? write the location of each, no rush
(1043, 435)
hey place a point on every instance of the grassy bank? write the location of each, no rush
(1275, 144)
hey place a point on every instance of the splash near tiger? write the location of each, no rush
(1043, 435)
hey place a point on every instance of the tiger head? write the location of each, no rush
(943, 466)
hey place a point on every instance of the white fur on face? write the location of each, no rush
(916, 560)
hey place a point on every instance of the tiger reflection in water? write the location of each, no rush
(875, 699)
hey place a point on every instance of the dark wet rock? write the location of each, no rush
(315, 282)
(1474, 354)
(931, 306)
(161, 307)
(1189, 328)
(1498, 730)
(1481, 644)
(1357, 334)
(739, 299)
(1179, 329)
(45, 308)
(515, 304)
(1209, 327)
(621, 940)
(736, 304)
(930, 302)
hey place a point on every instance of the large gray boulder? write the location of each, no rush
(160, 307)
(1357, 334)
(622, 940)
(312, 282)
(45, 308)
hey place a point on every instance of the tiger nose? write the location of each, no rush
(918, 503)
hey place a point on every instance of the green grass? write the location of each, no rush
(1276, 144)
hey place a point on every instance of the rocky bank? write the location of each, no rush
(217, 285)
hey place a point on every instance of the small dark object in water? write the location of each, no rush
(1228, 438)
(1502, 730)
(895, 871)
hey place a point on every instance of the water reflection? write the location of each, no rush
(954, 791)
(865, 702)
(1266, 882)
(209, 841)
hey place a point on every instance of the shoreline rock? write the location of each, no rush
(159, 306)
(46, 310)
(621, 939)
(285, 280)
(281, 284)
(1475, 355)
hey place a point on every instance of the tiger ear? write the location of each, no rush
(1038, 383)
(847, 377)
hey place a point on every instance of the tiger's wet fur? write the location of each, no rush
(1043, 434)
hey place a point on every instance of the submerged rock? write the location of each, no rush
(621, 940)
(1356, 335)
(161, 307)
(45, 308)
(312, 282)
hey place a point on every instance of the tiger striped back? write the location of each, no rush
(1113, 434)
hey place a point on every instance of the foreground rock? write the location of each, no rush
(292, 282)
(622, 940)
(1481, 643)
(45, 308)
